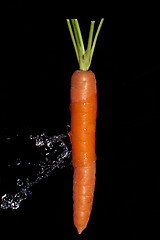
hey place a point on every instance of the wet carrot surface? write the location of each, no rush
(83, 126)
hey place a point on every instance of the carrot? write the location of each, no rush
(83, 107)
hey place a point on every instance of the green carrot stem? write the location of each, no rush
(84, 57)
(96, 36)
(73, 39)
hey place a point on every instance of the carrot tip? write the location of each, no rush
(80, 230)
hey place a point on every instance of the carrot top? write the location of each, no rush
(84, 57)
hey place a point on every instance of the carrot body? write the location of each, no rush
(83, 108)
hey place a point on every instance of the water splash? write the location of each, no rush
(55, 152)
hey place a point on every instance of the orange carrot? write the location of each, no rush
(83, 108)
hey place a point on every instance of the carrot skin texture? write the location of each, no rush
(83, 108)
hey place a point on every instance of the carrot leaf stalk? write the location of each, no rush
(84, 57)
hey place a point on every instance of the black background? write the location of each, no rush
(37, 62)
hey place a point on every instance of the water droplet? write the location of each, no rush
(6, 201)
(19, 182)
(30, 137)
(41, 171)
(15, 205)
(18, 161)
